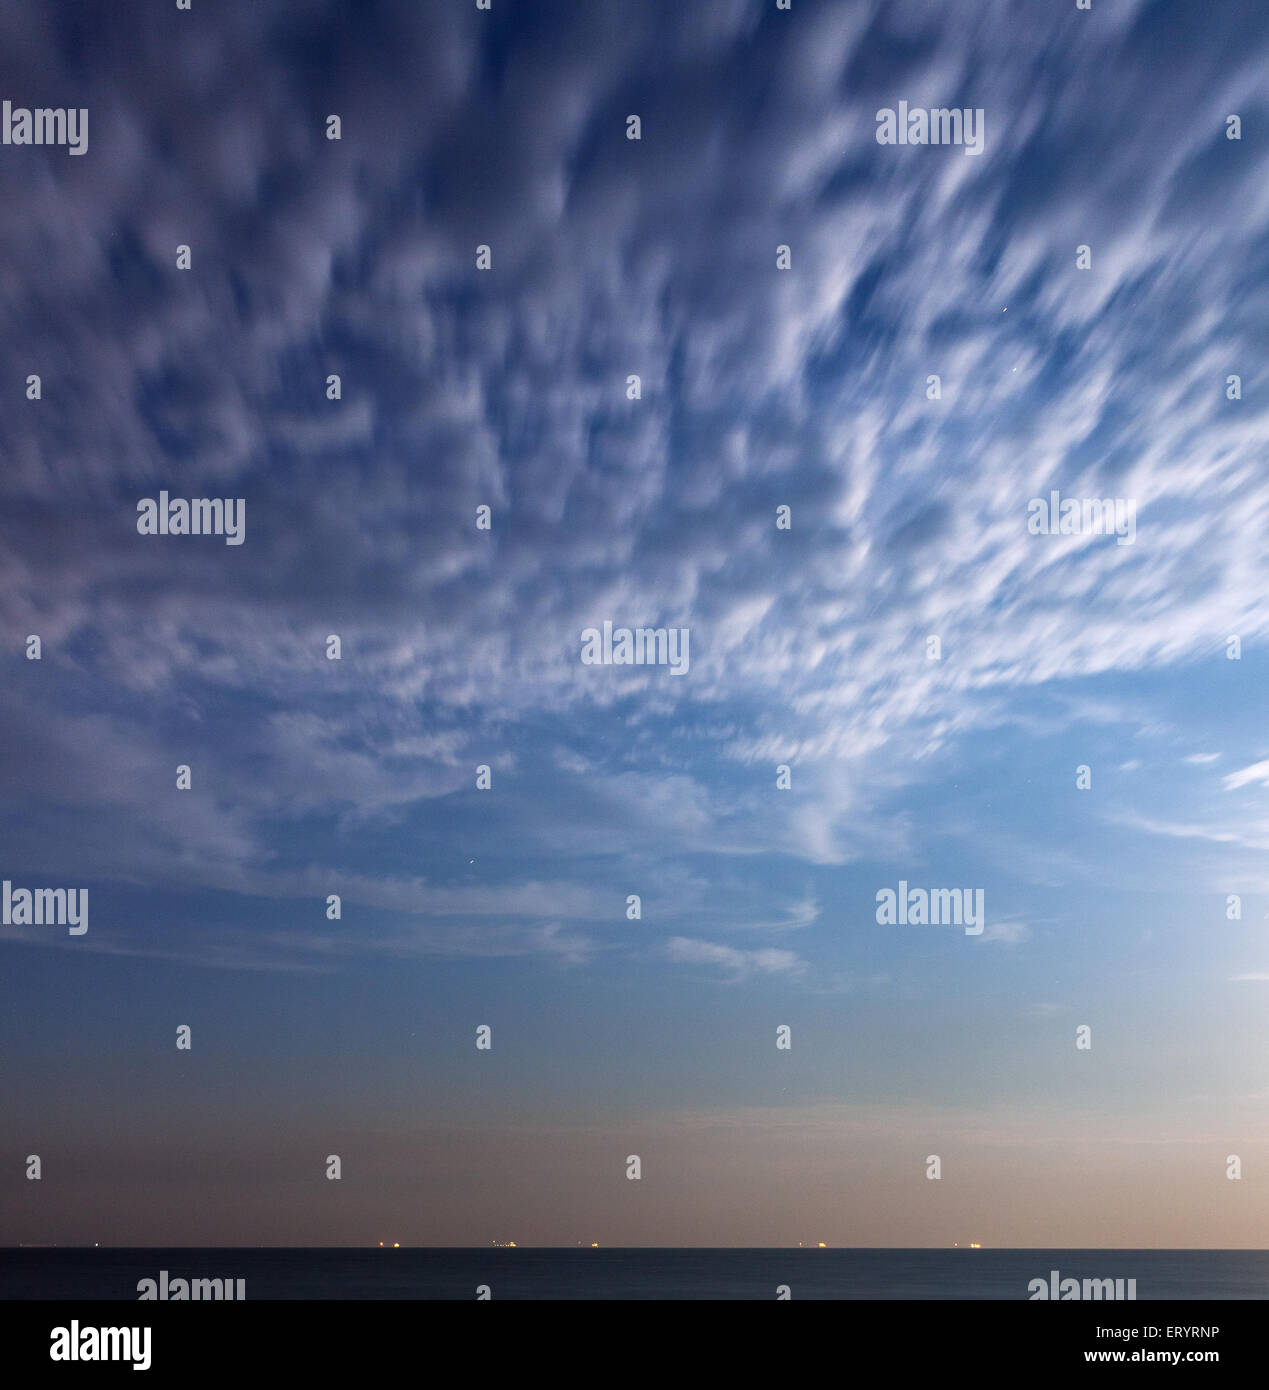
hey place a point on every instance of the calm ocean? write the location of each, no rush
(524, 1273)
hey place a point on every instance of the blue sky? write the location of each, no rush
(761, 388)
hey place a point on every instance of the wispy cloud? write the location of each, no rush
(739, 964)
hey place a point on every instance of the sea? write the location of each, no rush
(610, 1273)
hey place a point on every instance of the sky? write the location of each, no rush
(1082, 743)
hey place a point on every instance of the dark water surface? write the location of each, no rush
(631, 1273)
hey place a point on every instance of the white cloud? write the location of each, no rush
(738, 963)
